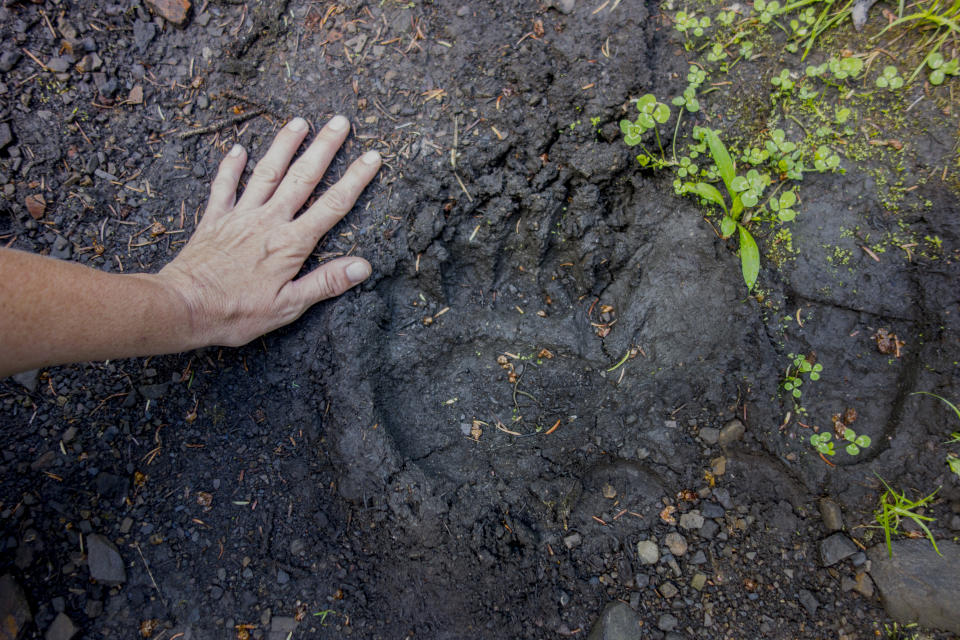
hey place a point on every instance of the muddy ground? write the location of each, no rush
(373, 470)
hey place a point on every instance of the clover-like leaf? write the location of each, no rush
(661, 113)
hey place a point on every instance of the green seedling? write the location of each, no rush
(888, 79)
(799, 366)
(940, 69)
(856, 442)
(689, 23)
(741, 191)
(953, 462)
(768, 10)
(896, 506)
(822, 443)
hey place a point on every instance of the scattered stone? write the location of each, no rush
(60, 64)
(718, 466)
(809, 602)
(831, 515)
(617, 622)
(691, 520)
(676, 543)
(36, 205)
(573, 540)
(174, 11)
(917, 585)
(667, 622)
(9, 59)
(136, 95)
(281, 627)
(667, 590)
(14, 608)
(710, 435)
(104, 560)
(863, 584)
(563, 6)
(61, 629)
(699, 581)
(6, 136)
(836, 548)
(731, 432)
(648, 552)
(29, 379)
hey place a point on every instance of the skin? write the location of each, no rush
(232, 282)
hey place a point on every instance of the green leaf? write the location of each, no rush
(707, 192)
(722, 157)
(727, 226)
(661, 113)
(749, 257)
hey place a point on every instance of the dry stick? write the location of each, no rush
(222, 124)
(147, 567)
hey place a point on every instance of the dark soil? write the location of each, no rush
(361, 462)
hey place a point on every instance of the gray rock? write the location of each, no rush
(676, 543)
(563, 6)
(667, 622)
(60, 64)
(692, 520)
(831, 515)
(809, 602)
(6, 136)
(281, 627)
(572, 541)
(917, 585)
(153, 391)
(8, 59)
(61, 629)
(836, 548)
(710, 435)
(104, 560)
(731, 432)
(648, 552)
(617, 622)
(29, 379)
(14, 608)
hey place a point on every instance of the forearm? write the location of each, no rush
(56, 312)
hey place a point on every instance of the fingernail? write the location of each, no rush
(358, 271)
(298, 124)
(371, 157)
(338, 123)
(236, 150)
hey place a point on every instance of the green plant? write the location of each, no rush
(896, 506)
(822, 443)
(800, 365)
(940, 69)
(742, 193)
(888, 78)
(953, 461)
(856, 442)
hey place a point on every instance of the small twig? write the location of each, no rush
(147, 567)
(222, 124)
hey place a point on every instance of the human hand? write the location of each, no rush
(236, 273)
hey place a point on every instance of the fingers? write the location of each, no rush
(339, 199)
(306, 172)
(223, 189)
(327, 281)
(268, 173)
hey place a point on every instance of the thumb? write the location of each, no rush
(328, 281)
